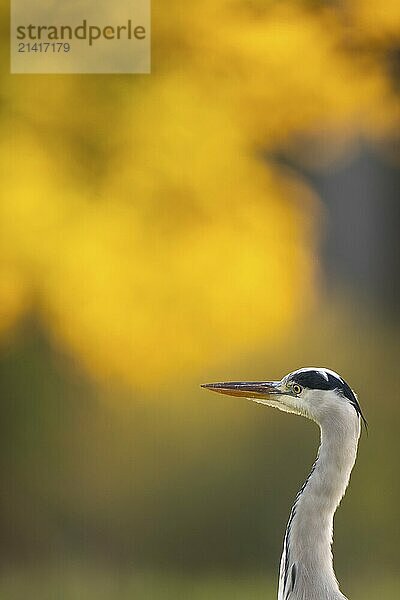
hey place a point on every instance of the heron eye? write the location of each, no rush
(297, 389)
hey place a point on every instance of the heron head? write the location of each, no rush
(315, 393)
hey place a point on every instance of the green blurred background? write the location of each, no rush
(232, 215)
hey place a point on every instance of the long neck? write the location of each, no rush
(306, 565)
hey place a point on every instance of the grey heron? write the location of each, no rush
(306, 568)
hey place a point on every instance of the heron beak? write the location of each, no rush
(257, 390)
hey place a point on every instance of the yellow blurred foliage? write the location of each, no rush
(378, 21)
(141, 221)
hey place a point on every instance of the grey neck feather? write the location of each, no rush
(306, 571)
